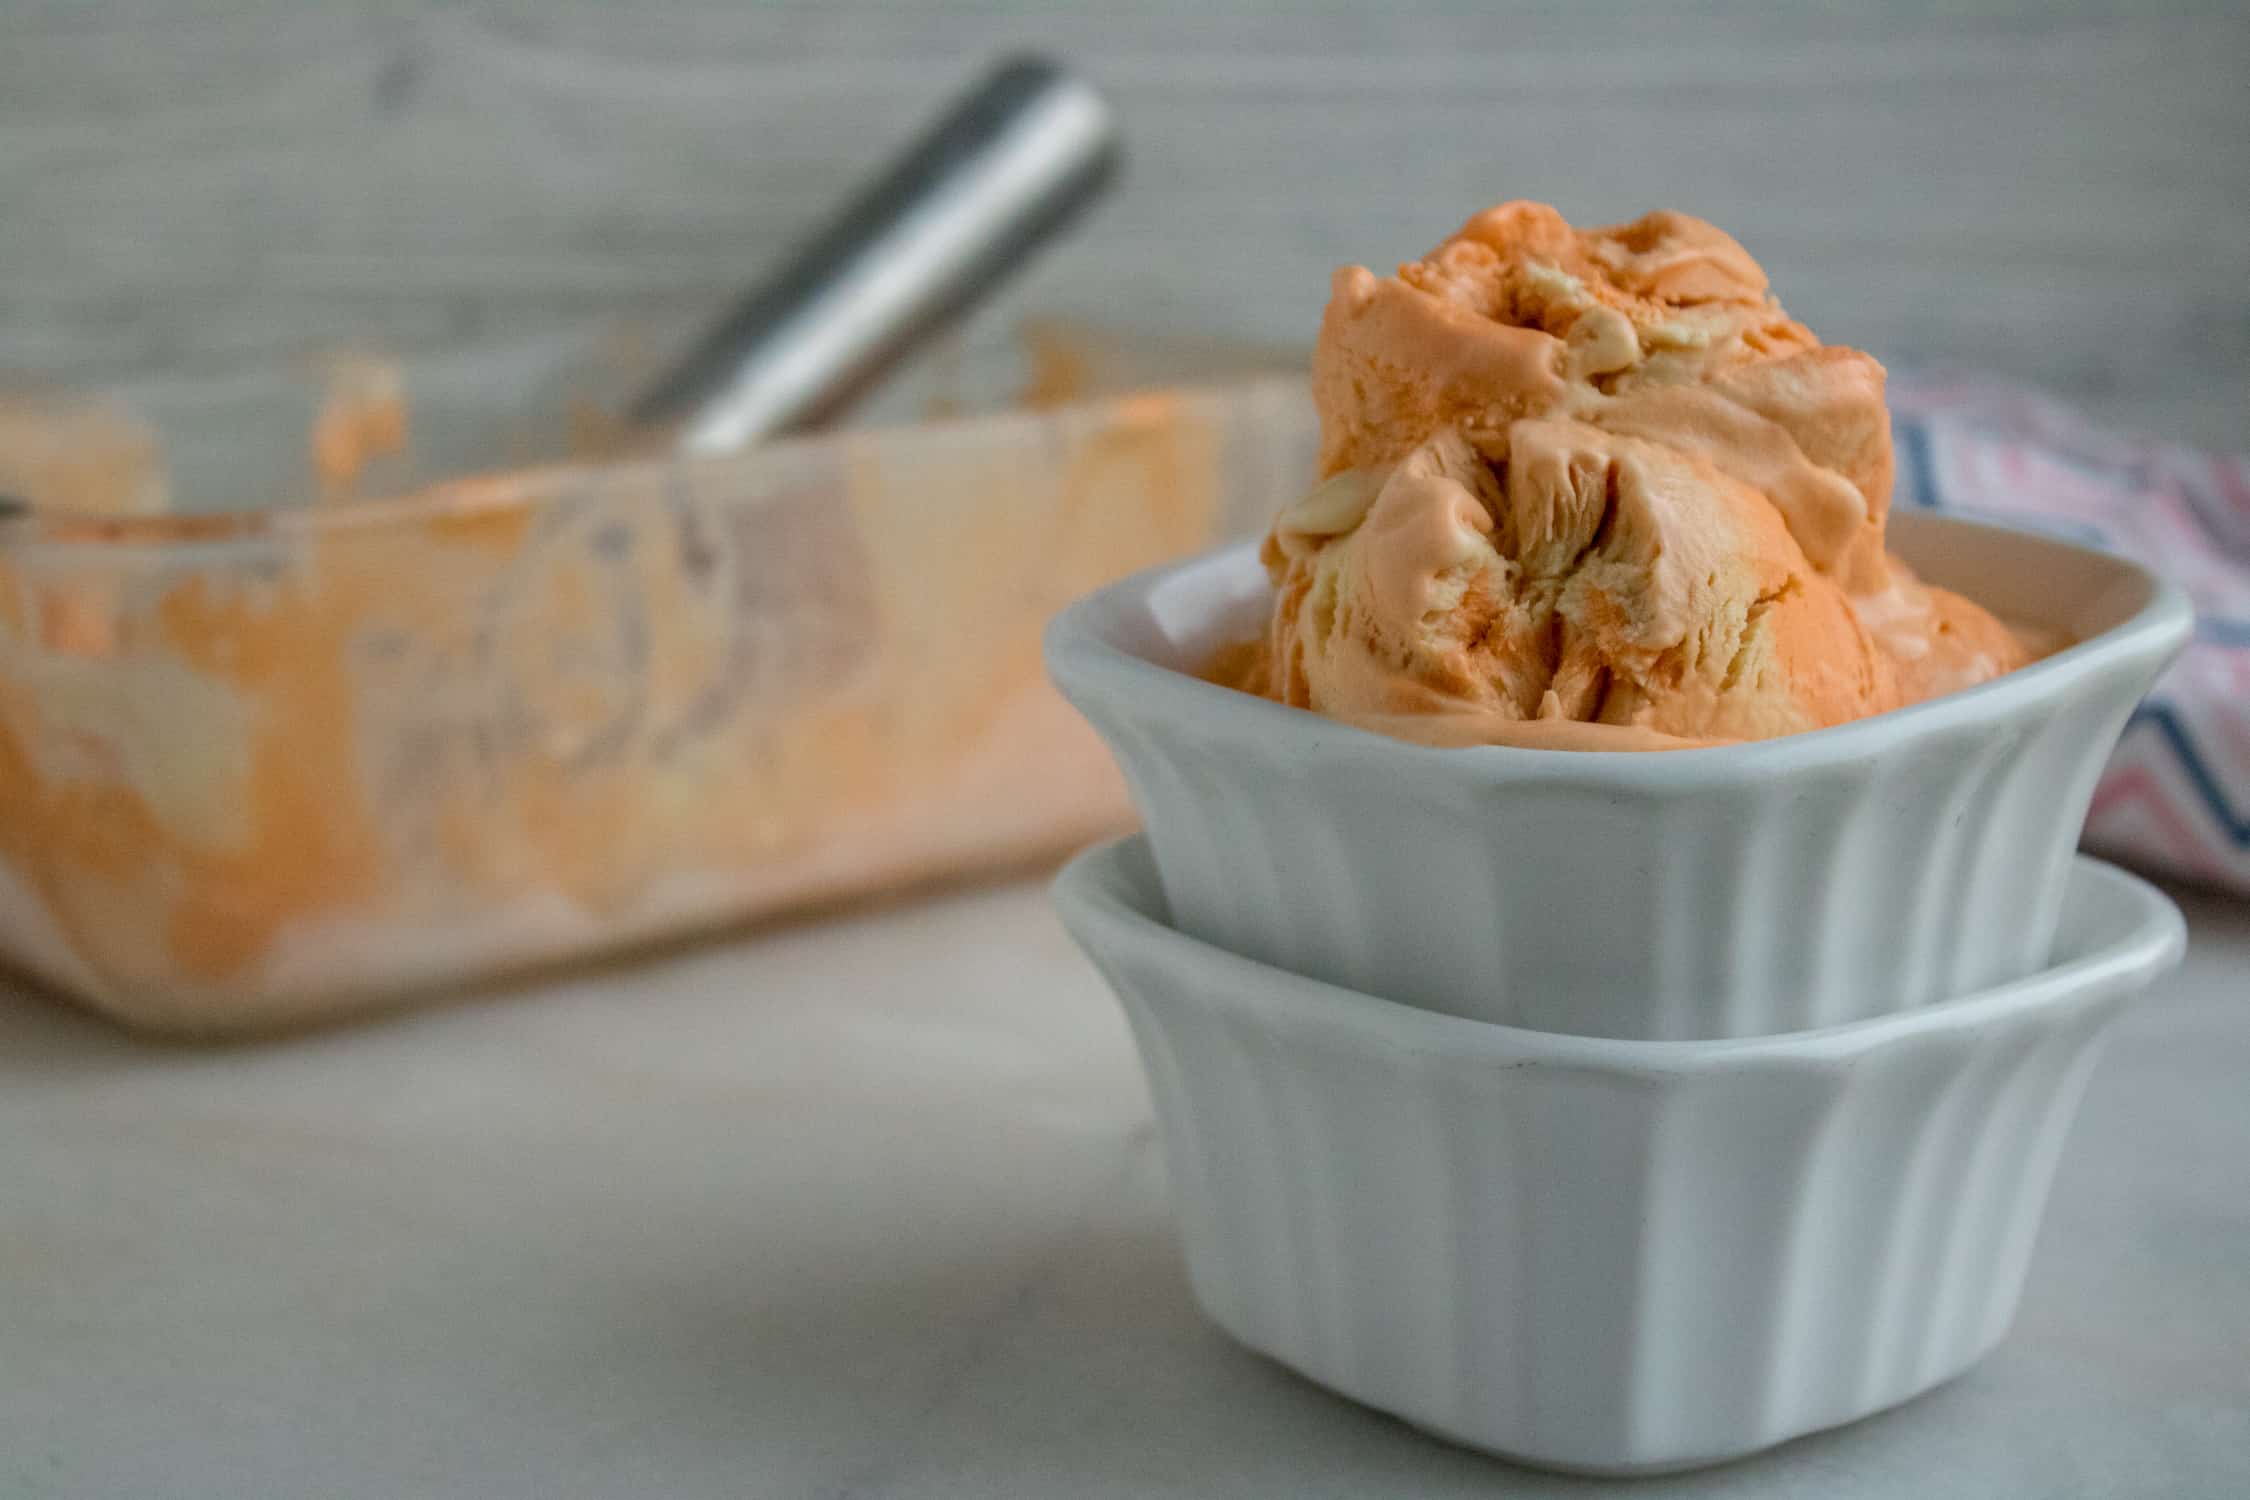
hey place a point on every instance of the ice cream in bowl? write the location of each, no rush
(1593, 685)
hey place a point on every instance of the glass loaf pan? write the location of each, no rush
(261, 768)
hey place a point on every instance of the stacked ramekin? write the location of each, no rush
(1619, 1111)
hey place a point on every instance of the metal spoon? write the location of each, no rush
(1009, 165)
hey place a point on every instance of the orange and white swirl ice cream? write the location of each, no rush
(1595, 489)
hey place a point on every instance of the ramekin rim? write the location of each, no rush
(1083, 660)
(1091, 893)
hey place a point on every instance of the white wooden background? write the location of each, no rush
(2058, 191)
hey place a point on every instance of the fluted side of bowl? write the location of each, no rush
(1603, 1255)
(1737, 891)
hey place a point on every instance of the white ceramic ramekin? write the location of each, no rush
(1609, 1255)
(1736, 891)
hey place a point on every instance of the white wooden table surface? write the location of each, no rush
(873, 1208)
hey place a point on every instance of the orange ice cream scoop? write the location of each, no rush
(1594, 488)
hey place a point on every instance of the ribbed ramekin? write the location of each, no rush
(1735, 891)
(1608, 1255)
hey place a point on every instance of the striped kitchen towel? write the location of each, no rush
(2176, 797)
